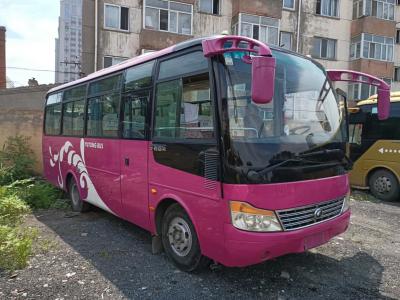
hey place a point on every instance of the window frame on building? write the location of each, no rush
(215, 8)
(328, 41)
(398, 35)
(289, 7)
(238, 27)
(396, 74)
(118, 58)
(361, 9)
(170, 11)
(319, 8)
(360, 88)
(290, 34)
(368, 39)
(120, 7)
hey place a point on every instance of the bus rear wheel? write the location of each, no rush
(77, 203)
(180, 240)
(384, 185)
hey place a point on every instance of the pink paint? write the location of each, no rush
(218, 45)
(359, 77)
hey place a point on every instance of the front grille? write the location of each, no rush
(296, 218)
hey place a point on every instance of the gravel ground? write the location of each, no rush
(97, 256)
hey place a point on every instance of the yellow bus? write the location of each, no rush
(375, 148)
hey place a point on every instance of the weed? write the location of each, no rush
(37, 193)
(15, 246)
(12, 210)
(16, 159)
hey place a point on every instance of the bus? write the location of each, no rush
(223, 148)
(375, 148)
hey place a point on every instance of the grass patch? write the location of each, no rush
(15, 246)
(37, 193)
(12, 210)
(19, 193)
(16, 159)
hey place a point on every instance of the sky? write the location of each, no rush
(32, 26)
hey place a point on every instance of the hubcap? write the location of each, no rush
(74, 194)
(180, 236)
(383, 185)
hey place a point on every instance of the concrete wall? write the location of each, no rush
(3, 80)
(21, 113)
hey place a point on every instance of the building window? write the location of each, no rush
(398, 35)
(169, 16)
(324, 48)
(286, 40)
(288, 4)
(109, 61)
(382, 9)
(209, 6)
(116, 17)
(260, 28)
(328, 8)
(372, 47)
(396, 76)
(362, 91)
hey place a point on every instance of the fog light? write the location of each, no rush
(346, 203)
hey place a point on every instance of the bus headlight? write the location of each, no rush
(346, 203)
(247, 217)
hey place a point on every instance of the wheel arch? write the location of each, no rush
(162, 207)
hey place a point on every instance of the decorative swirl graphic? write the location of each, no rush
(88, 190)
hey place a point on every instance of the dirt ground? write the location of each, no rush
(97, 256)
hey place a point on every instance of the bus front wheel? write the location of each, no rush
(384, 185)
(180, 240)
(77, 203)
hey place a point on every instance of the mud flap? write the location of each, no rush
(156, 244)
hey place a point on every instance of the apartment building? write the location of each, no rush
(68, 45)
(362, 35)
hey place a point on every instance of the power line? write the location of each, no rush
(42, 70)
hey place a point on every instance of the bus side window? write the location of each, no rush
(53, 119)
(52, 123)
(134, 119)
(138, 81)
(103, 107)
(74, 111)
(183, 108)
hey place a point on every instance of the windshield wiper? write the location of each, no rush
(302, 158)
(333, 153)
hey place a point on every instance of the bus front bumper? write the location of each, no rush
(243, 248)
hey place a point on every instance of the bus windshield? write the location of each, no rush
(305, 113)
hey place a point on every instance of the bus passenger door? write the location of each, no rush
(134, 153)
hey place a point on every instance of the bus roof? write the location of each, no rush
(394, 97)
(154, 55)
(130, 62)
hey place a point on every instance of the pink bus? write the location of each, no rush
(223, 148)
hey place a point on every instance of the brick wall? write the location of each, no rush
(21, 113)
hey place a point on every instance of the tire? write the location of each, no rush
(384, 185)
(180, 240)
(77, 203)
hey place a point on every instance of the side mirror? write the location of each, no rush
(262, 79)
(383, 104)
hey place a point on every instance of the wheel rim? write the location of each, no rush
(75, 194)
(383, 185)
(180, 236)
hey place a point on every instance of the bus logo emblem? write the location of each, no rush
(318, 213)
